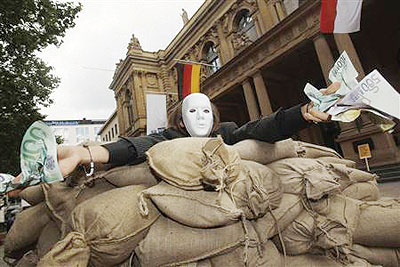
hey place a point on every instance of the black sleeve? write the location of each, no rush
(131, 150)
(277, 126)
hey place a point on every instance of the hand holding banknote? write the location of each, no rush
(312, 114)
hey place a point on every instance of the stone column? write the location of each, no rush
(120, 115)
(344, 43)
(262, 94)
(324, 54)
(251, 100)
(140, 102)
(279, 9)
(225, 52)
(267, 16)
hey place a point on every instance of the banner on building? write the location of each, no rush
(156, 110)
(340, 16)
(188, 79)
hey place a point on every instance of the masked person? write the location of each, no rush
(195, 116)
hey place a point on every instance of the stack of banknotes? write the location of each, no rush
(38, 159)
(373, 95)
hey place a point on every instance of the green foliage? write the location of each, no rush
(26, 27)
(59, 139)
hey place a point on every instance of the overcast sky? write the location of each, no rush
(85, 62)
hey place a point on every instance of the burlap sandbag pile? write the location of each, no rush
(251, 204)
(83, 215)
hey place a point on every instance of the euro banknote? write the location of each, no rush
(39, 155)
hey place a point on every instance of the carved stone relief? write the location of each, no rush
(151, 79)
(302, 25)
(240, 41)
(287, 36)
(134, 44)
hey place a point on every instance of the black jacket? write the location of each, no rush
(277, 126)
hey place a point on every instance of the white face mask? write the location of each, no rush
(197, 115)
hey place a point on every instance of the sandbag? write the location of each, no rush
(201, 209)
(263, 152)
(314, 233)
(269, 256)
(298, 236)
(201, 161)
(139, 174)
(32, 194)
(201, 263)
(367, 191)
(48, 237)
(336, 160)
(351, 175)
(30, 259)
(129, 262)
(256, 190)
(344, 210)
(278, 219)
(379, 224)
(386, 257)
(308, 177)
(70, 251)
(170, 243)
(106, 227)
(307, 150)
(61, 199)
(310, 260)
(25, 230)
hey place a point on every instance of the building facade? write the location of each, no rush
(76, 132)
(110, 130)
(262, 53)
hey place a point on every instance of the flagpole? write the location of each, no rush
(192, 62)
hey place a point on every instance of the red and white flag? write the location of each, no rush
(340, 16)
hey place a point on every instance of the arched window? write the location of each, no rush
(245, 25)
(210, 55)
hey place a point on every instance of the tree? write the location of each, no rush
(59, 139)
(27, 27)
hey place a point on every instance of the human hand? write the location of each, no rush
(313, 115)
(331, 88)
(69, 157)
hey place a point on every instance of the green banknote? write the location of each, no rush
(39, 155)
(38, 159)
(6, 183)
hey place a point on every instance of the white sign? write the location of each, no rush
(156, 111)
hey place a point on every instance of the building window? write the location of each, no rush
(82, 134)
(116, 129)
(112, 132)
(245, 25)
(96, 134)
(63, 133)
(210, 55)
(97, 130)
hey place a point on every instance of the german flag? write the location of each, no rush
(188, 79)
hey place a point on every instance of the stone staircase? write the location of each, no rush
(387, 173)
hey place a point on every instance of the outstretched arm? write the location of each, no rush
(283, 123)
(69, 157)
